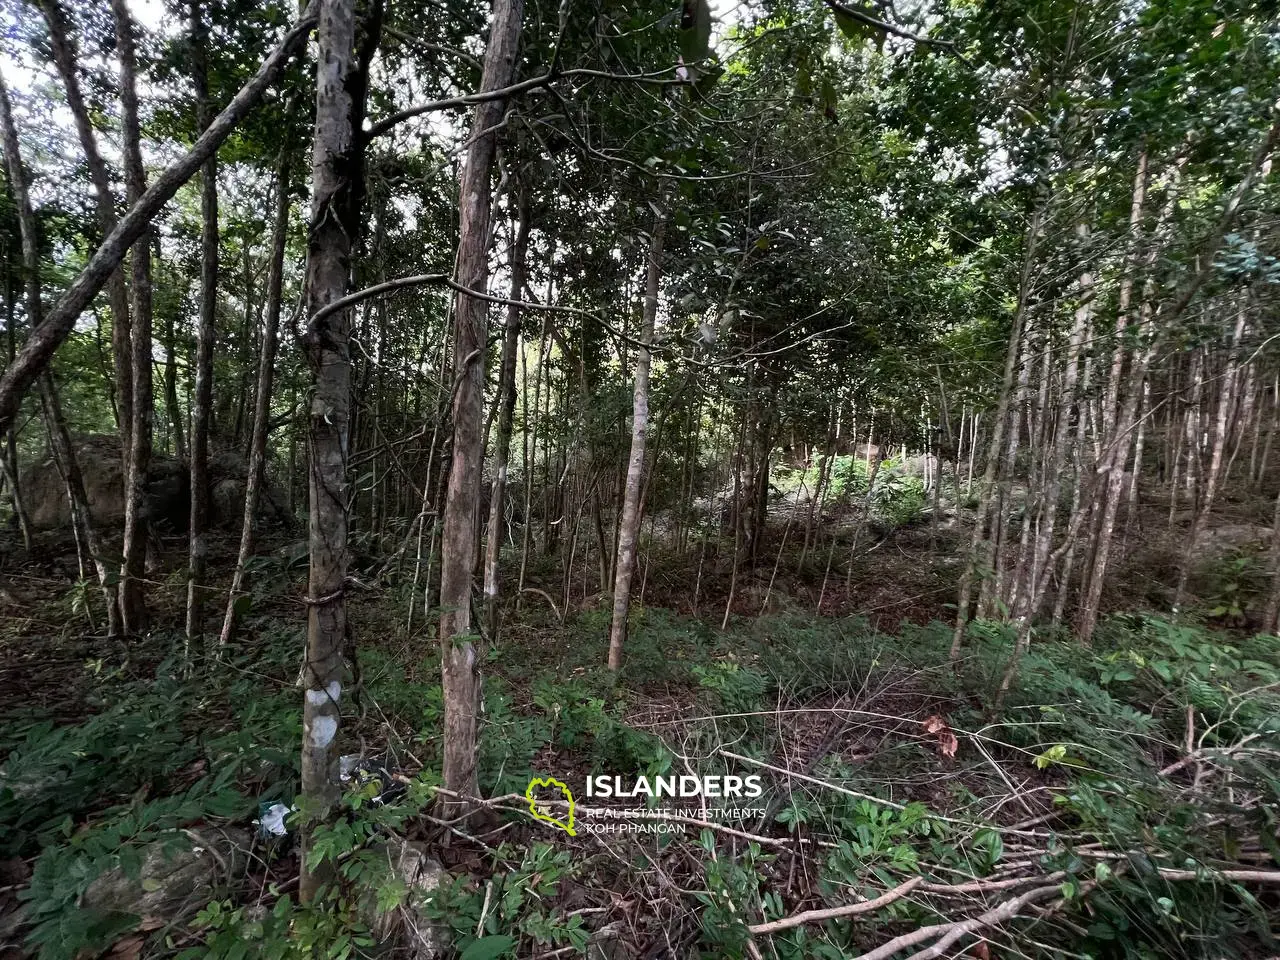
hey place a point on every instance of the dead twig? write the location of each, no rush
(817, 916)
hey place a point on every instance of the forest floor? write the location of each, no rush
(1122, 802)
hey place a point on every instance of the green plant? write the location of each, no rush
(738, 689)
(512, 908)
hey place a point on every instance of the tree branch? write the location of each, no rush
(40, 346)
(817, 916)
(861, 16)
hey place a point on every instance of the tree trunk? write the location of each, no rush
(337, 188)
(59, 437)
(262, 402)
(65, 57)
(629, 525)
(1118, 437)
(1272, 613)
(1038, 575)
(171, 405)
(133, 603)
(459, 547)
(977, 552)
(1221, 429)
(202, 401)
(506, 416)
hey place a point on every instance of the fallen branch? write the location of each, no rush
(795, 775)
(832, 913)
(951, 932)
(1236, 876)
(547, 597)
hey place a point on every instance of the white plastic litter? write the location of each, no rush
(271, 823)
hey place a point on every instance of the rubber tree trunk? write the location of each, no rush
(202, 393)
(1119, 431)
(506, 416)
(133, 601)
(459, 534)
(978, 546)
(262, 402)
(629, 525)
(337, 186)
(1221, 429)
(60, 320)
(1037, 576)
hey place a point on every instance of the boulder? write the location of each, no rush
(168, 488)
(409, 925)
(177, 876)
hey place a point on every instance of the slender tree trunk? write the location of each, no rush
(978, 554)
(202, 401)
(171, 405)
(532, 422)
(59, 436)
(9, 462)
(262, 403)
(506, 416)
(1221, 430)
(1131, 508)
(1038, 575)
(66, 58)
(1117, 439)
(337, 188)
(133, 603)
(629, 525)
(459, 547)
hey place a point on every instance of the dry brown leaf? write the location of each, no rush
(130, 948)
(947, 741)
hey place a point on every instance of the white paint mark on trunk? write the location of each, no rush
(320, 697)
(323, 729)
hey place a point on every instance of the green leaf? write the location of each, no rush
(857, 30)
(488, 948)
(1051, 756)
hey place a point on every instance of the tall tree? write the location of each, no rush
(202, 393)
(629, 524)
(133, 602)
(345, 50)
(506, 404)
(256, 475)
(460, 530)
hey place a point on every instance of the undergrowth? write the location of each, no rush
(1149, 754)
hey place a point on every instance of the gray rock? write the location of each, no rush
(609, 943)
(178, 876)
(409, 924)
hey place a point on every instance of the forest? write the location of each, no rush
(774, 479)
